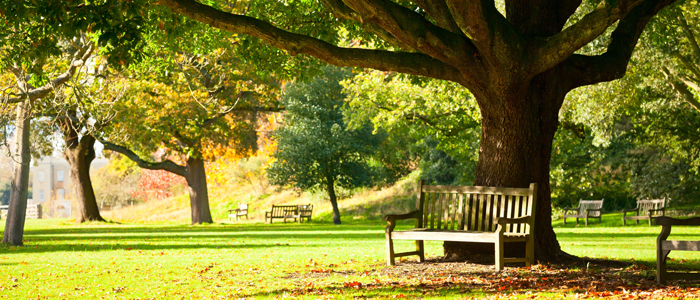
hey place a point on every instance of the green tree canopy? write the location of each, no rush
(315, 147)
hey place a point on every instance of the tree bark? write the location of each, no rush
(16, 213)
(517, 131)
(330, 188)
(79, 156)
(197, 187)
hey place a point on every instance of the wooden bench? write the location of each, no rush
(586, 209)
(305, 211)
(284, 212)
(239, 212)
(664, 247)
(645, 210)
(469, 214)
(34, 211)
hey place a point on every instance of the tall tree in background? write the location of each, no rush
(31, 33)
(191, 93)
(315, 148)
(519, 62)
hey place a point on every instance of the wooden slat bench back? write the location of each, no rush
(469, 213)
(664, 247)
(239, 212)
(296, 212)
(472, 208)
(585, 209)
(645, 210)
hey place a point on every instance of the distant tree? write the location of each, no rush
(315, 148)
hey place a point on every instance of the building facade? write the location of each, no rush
(52, 186)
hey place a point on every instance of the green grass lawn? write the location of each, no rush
(61, 260)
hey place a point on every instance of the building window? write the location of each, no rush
(59, 175)
(60, 194)
(41, 196)
(41, 176)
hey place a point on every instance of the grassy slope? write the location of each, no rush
(367, 205)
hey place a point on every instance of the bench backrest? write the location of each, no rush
(645, 205)
(474, 208)
(282, 210)
(583, 205)
(305, 210)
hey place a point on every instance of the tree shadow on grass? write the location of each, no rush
(131, 246)
(199, 228)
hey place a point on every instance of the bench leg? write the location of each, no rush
(499, 255)
(586, 220)
(576, 221)
(530, 252)
(389, 250)
(421, 251)
(661, 255)
(564, 218)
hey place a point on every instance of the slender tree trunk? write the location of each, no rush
(79, 156)
(14, 225)
(197, 187)
(518, 128)
(330, 188)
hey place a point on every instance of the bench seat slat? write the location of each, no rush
(454, 235)
(681, 245)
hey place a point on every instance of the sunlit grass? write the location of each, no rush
(632, 243)
(61, 260)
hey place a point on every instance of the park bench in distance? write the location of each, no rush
(664, 247)
(645, 210)
(469, 214)
(239, 212)
(296, 212)
(305, 211)
(34, 211)
(586, 209)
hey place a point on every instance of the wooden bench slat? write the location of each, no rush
(676, 275)
(482, 190)
(681, 245)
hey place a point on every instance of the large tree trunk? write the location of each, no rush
(197, 187)
(79, 156)
(16, 213)
(330, 188)
(517, 132)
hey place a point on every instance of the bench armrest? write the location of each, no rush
(630, 210)
(570, 209)
(504, 221)
(412, 215)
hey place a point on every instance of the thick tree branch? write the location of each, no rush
(689, 33)
(473, 17)
(342, 11)
(78, 60)
(585, 70)
(550, 51)
(496, 40)
(166, 165)
(682, 89)
(439, 11)
(687, 63)
(411, 63)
